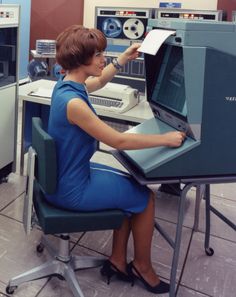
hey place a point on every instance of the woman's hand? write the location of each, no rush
(174, 139)
(131, 53)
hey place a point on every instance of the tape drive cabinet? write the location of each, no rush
(122, 23)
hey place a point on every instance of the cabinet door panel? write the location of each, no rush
(7, 125)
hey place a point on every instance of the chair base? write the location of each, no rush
(63, 266)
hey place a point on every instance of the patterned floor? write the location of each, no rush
(198, 275)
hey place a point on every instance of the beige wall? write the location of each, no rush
(89, 6)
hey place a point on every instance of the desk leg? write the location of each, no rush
(178, 235)
(209, 251)
(22, 150)
(208, 217)
(200, 190)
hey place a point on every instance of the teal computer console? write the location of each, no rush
(191, 86)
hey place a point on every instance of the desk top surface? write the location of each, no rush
(137, 114)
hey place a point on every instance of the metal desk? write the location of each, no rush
(203, 185)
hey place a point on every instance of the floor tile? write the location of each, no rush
(167, 205)
(218, 227)
(12, 189)
(3, 290)
(185, 292)
(161, 251)
(216, 275)
(167, 209)
(227, 190)
(100, 241)
(15, 209)
(17, 254)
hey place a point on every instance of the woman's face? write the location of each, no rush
(97, 64)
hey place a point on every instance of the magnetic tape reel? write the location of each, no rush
(122, 23)
(133, 28)
(111, 27)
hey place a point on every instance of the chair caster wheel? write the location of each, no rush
(10, 290)
(209, 251)
(40, 248)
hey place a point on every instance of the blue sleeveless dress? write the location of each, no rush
(83, 185)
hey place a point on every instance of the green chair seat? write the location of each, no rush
(54, 220)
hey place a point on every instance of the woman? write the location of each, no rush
(76, 128)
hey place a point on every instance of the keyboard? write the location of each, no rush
(114, 97)
(106, 103)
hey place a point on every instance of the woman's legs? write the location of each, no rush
(119, 245)
(142, 226)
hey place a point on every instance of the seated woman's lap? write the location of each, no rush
(110, 188)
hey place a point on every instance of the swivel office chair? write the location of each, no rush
(42, 178)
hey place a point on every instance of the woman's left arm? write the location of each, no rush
(95, 83)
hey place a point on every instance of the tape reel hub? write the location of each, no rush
(133, 28)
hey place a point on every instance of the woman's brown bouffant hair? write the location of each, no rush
(76, 46)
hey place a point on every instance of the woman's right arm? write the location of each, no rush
(80, 114)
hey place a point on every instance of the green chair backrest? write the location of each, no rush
(46, 160)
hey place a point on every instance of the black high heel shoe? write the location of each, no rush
(109, 269)
(161, 288)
